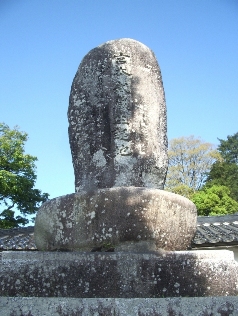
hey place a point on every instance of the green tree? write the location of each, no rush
(190, 159)
(214, 200)
(225, 172)
(17, 179)
(182, 189)
(229, 148)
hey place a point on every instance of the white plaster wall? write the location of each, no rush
(231, 248)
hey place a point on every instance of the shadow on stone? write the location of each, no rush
(118, 140)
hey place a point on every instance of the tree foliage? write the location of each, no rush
(225, 172)
(182, 189)
(190, 159)
(207, 176)
(17, 179)
(214, 200)
(229, 148)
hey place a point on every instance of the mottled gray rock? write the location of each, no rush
(125, 218)
(117, 133)
(62, 306)
(118, 275)
(117, 118)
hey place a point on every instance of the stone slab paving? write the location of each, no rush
(119, 274)
(186, 306)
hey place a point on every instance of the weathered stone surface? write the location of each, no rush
(125, 218)
(180, 306)
(118, 275)
(117, 118)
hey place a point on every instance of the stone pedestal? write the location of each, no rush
(180, 306)
(123, 218)
(118, 275)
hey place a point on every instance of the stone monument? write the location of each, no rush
(118, 140)
(126, 239)
(117, 119)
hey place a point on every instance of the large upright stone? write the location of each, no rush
(117, 118)
(117, 133)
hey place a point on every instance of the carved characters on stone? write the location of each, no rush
(118, 139)
(117, 118)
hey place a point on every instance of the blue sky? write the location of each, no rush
(43, 42)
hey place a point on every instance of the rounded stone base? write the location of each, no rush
(120, 219)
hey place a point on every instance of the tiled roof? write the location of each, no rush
(216, 231)
(211, 231)
(17, 239)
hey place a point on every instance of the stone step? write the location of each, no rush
(64, 306)
(118, 274)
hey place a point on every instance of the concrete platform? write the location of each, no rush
(118, 275)
(182, 306)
